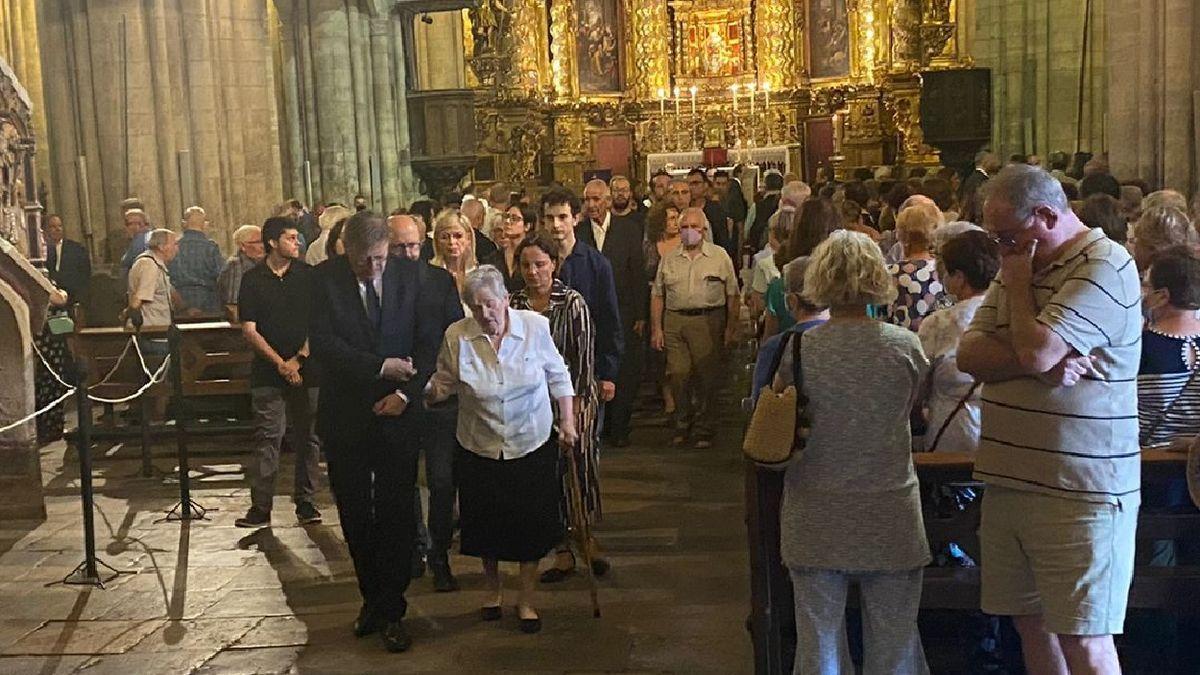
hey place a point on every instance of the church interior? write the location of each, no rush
(242, 106)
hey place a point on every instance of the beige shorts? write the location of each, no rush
(1069, 561)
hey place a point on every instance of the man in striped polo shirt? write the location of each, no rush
(1056, 343)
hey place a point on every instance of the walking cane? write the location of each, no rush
(579, 525)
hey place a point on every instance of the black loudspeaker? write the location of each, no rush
(956, 112)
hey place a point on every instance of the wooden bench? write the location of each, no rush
(1173, 590)
(214, 364)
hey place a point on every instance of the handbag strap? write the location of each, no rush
(962, 403)
(1167, 410)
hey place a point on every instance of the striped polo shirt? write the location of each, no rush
(1077, 442)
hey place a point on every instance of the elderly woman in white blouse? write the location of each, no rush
(503, 366)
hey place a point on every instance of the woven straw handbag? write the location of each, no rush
(776, 432)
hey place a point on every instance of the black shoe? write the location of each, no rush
(395, 638)
(531, 626)
(418, 566)
(490, 613)
(255, 517)
(443, 578)
(600, 567)
(367, 623)
(620, 442)
(307, 514)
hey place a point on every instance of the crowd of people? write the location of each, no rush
(1044, 321)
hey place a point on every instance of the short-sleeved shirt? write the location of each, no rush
(279, 307)
(1078, 442)
(150, 283)
(703, 282)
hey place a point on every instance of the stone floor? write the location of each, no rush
(206, 597)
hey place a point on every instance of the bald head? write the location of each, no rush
(474, 212)
(596, 200)
(404, 237)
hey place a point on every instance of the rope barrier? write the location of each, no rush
(50, 406)
(154, 378)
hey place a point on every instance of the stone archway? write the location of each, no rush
(20, 472)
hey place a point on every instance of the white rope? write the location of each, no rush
(102, 381)
(60, 399)
(154, 379)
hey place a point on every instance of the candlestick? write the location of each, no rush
(693, 93)
(751, 87)
(733, 88)
(677, 104)
(767, 108)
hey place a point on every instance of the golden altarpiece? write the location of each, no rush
(563, 87)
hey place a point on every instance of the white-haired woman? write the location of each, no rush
(317, 252)
(851, 506)
(505, 369)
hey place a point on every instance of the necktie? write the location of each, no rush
(374, 313)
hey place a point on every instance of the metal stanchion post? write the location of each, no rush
(186, 509)
(87, 573)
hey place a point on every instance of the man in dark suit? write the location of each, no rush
(438, 306)
(66, 261)
(365, 337)
(619, 239)
(986, 164)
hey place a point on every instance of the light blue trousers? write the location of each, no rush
(890, 601)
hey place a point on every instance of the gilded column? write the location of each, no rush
(774, 24)
(562, 48)
(651, 46)
(529, 42)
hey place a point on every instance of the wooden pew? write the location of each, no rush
(1173, 590)
(215, 371)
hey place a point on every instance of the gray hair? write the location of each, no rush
(160, 238)
(484, 277)
(793, 282)
(945, 232)
(795, 192)
(193, 211)
(364, 231)
(244, 232)
(1025, 188)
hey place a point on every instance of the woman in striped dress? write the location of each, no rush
(1168, 391)
(574, 335)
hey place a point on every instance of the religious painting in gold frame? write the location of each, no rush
(713, 42)
(829, 43)
(598, 41)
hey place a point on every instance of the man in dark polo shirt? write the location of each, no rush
(273, 305)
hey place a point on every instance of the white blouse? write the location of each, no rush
(940, 334)
(503, 397)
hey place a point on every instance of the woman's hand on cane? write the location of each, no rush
(567, 435)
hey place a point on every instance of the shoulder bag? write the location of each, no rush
(777, 430)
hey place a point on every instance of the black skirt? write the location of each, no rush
(509, 508)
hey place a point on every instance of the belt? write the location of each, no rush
(698, 312)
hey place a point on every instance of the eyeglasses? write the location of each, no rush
(514, 218)
(1006, 240)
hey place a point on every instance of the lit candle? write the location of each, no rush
(693, 92)
(662, 104)
(751, 87)
(733, 88)
(676, 104)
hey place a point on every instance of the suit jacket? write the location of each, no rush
(74, 271)
(438, 306)
(350, 351)
(624, 251)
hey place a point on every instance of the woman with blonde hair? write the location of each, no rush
(851, 504)
(454, 247)
(916, 278)
(1158, 229)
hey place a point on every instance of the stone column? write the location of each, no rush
(180, 110)
(1152, 91)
